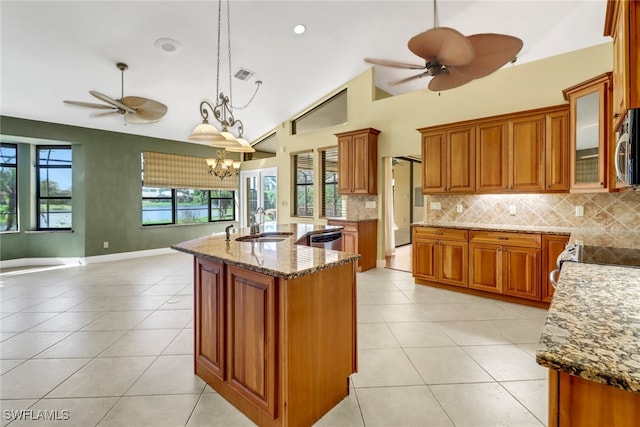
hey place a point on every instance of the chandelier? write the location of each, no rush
(229, 137)
(223, 167)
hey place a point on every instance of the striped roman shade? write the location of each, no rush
(177, 171)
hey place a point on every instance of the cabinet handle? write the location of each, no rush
(502, 238)
(616, 115)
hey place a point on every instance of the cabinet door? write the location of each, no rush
(209, 326)
(424, 259)
(552, 246)
(527, 154)
(350, 241)
(557, 151)
(360, 164)
(252, 338)
(521, 272)
(452, 263)
(434, 162)
(621, 64)
(485, 267)
(460, 160)
(492, 157)
(344, 165)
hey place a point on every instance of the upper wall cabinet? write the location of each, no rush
(589, 133)
(358, 161)
(525, 152)
(622, 22)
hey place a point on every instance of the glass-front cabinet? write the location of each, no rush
(590, 133)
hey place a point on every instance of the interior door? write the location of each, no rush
(259, 189)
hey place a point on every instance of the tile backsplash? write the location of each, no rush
(604, 211)
(362, 207)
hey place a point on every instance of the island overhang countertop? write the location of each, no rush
(592, 329)
(284, 258)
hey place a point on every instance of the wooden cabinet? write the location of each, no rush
(358, 161)
(552, 246)
(280, 350)
(440, 255)
(360, 237)
(590, 131)
(525, 152)
(505, 263)
(578, 402)
(622, 22)
(448, 161)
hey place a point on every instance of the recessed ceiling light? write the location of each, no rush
(167, 45)
(299, 29)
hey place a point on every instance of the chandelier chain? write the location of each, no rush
(218, 55)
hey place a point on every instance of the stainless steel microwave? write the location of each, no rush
(627, 154)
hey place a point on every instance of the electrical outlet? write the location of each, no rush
(459, 208)
(105, 245)
(512, 210)
(579, 210)
(370, 205)
(435, 206)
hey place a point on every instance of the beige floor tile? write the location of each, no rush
(54, 305)
(489, 311)
(482, 405)
(530, 348)
(166, 319)
(121, 303)
(164, 289)
(404, 284)
(19, 322)
(66, 322)
(376, 286)
(533, 395)
(144, 342)
(446, 365)
(401, 406)
(35, 378)
(19, 303)
(384, 367)
(156, 411)
(8, 364)
(368, 314)
(6, 335)
(14, 408)
(419, 334)
(82, 412)
(344, 414)
(421, 294)
(168, 375)
(213, 411)
(472, 333)
(401, 313)
(525, 311)
(28, 344)
(382, 297)
(178, 302)
(518, 331)
(117, 320)
(446, 311)
(103, 377)
(507, 362)
(376, 335)
(82, 344)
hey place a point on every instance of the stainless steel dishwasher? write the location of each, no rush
(327, 240)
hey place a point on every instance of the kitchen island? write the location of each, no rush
(591, 345)
(274, 323)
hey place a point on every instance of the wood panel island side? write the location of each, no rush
(274, 323)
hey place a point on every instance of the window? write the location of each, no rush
(303, 188)
(331, 112)
(162, 206)
(53, 170)
(8, 187)
(333, 204)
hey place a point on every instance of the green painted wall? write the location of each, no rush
(106, 194)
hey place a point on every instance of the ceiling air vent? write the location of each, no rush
(243, 74)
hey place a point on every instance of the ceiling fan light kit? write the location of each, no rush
(134, 109)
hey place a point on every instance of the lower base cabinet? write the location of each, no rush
(440, 255)
(552, 246)
(577, 402)
(360, 237)
(279, 350)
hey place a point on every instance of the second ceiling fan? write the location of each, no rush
(452, 58)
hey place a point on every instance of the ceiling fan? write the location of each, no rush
(453, 59)
(135, 109)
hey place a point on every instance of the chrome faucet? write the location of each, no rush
(226, 230)
(254, 226)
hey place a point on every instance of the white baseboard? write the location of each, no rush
(69, 261)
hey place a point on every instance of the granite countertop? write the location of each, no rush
(593, 325)
(285, 259)
(498, 227)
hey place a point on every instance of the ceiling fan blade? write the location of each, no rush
(145, 110)
(408, 79)
(445, 80)
(111, 101)
(105, 113)
(492, 52)
(89, 105)
(386, 63)
(444, 44)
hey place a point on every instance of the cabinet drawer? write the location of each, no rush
(501, 238)
(440, 233)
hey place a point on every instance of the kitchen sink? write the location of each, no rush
(271, 236)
